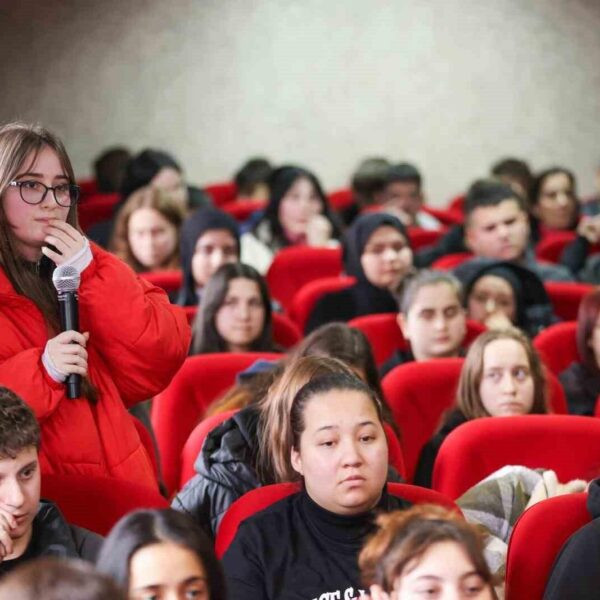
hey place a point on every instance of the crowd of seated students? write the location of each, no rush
(317, 418)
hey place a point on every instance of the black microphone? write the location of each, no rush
(66, 281)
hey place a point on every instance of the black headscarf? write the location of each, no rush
(195, 226)
(533, 307)
(358, 235)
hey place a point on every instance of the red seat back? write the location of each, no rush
(285, 332)
(557, 346)
(340, 199)
(385, 336)
(566, 297)
(242, 209)
(567, 444)
(418, 408)
(222, 193)
(261, 498)
(420, 238)
(194, 443)
(296, 266)
(450, 261)
(551, 246)
(305, 299)
(97, 503)
(534, 546)
(177, 410)
(445, 216)
(95, 208)
(168, 280)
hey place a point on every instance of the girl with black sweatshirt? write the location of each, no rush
(306, 545)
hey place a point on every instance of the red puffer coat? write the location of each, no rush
(137, 343)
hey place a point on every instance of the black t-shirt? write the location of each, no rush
(296, 550)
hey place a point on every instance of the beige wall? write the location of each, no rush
(449, 84)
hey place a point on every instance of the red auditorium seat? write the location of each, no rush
(261, 498)
(557, 346)
(194, 445)
(450, 261)
(340, 199)
(534, 546)
(305, 299)
(418, 408)
(94, 208)
(242, 209)
(97, 503)
(420, 238)
(177, 410)
(168, 280)
(551, 246)
(566, 297)
(285, 332)
(222, 193)
(298, 265)
(385, 336)
(445, 216)
(567, 444)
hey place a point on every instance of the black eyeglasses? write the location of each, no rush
(34, 192)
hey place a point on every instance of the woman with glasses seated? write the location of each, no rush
(130, 342)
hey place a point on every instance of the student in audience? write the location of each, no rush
(109, 169)
(30, 528)
(554, 200)
(162, 554)
(146, 232)
(132, 340)
(497, 227)
(252, 180)
(53, 578)
(377, 252)
(307, 544)
(210, 238)
(298, 213)
(581, 380)
(367, 186)
(516, 173)
(249, 449)
(235, 313)
(502, 375)
(403, 197)
(431, 318)
(576, 570)
(502, 294)
(157, 169)
(425, 552)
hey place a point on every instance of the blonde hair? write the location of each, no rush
(145, 197)
(468, 396)
(274, 454)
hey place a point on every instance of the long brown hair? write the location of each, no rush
(18, 142)
(146, 197)
(468, 396)
(273, 461)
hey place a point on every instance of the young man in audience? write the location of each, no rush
(30, 528)
(497, 227)
(432, 319)
(403, 197)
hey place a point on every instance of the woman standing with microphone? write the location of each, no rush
(132, 340)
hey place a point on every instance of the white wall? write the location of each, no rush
(449, 84)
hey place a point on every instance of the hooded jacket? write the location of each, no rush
(193, 228)
(53, 536)
(576, 570)
(225, 470)
(137, 343)
(534, 309)
(362, 298)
